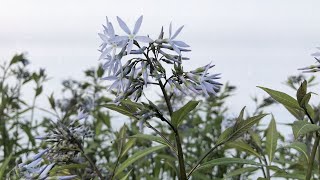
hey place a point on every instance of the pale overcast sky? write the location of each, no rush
(251, 42)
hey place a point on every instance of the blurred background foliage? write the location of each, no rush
(126, 152)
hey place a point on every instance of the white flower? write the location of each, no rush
(131, 35)
(108, 45)
(174, 43)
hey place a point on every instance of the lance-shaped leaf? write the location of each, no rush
(226, 161)
(282, 98)
(297, 113)
(131, 105)
(241, 171)
(271, 139)
(152, 138)
(234, 133)
(300, 147)
(303, 127)
(127, 147)
(302, 91)
(126, 176)
(121, 139)
(136, 156)
(305, 100)
(4, 166)
(66, 167)
(120, 109)
(183, 112)
(242, 146)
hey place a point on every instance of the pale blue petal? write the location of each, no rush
(103, 37)
(46, 171)
(40, 154)
(315, 54)
(143, 39)
(66, 177)
(119, 39)
(105, 53)
(177, 33)
(180, 44)
(137, 25)
(140, 124)
(110, 78)
(111, 30)
(123, 26)
(175, 48)
(129, 46)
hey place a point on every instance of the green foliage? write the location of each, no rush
(179, 115)
(238, 147)
(300, 128)
(271, 139)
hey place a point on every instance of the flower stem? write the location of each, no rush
(312, 157)
(202, 158)
(314, 149)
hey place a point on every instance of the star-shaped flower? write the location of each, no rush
(131, 36)
(108, 45)
(176, 45)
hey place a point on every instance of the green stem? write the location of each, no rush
(267, 170)
(202, 158)
(161, 135)
(175, 130)
(312, 156)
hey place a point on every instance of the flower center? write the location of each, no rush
(131, 36)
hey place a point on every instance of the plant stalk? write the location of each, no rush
(312, 157)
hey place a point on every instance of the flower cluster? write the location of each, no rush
(67, 139)
(144, 59)
(313, 68)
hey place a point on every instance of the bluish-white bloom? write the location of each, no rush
(208, 84)
(145, 67)
(131, 35)
(112, 64)
(82, 114)
(313, 68)
(108, 45)
(316, 54)
(175, 44)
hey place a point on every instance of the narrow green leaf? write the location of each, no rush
(127, 147)
(151, 138)
(224, 135)
(256, 139)
(138, 155)
(297, 113)
(299, 176)
(300, 147)
(183, 112)
(132, 104)
(240, 118)
(119, 109)
(38, 91)
(4, 166)
(56, 169)
(305, 100)
(271, 139)
(303, 127)
(126, 176)
(244, 126)
(243, 146)
(241, 171)
(302, 91)
(122, 139)
(282, 98)
(233, 133)
(226, 161)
